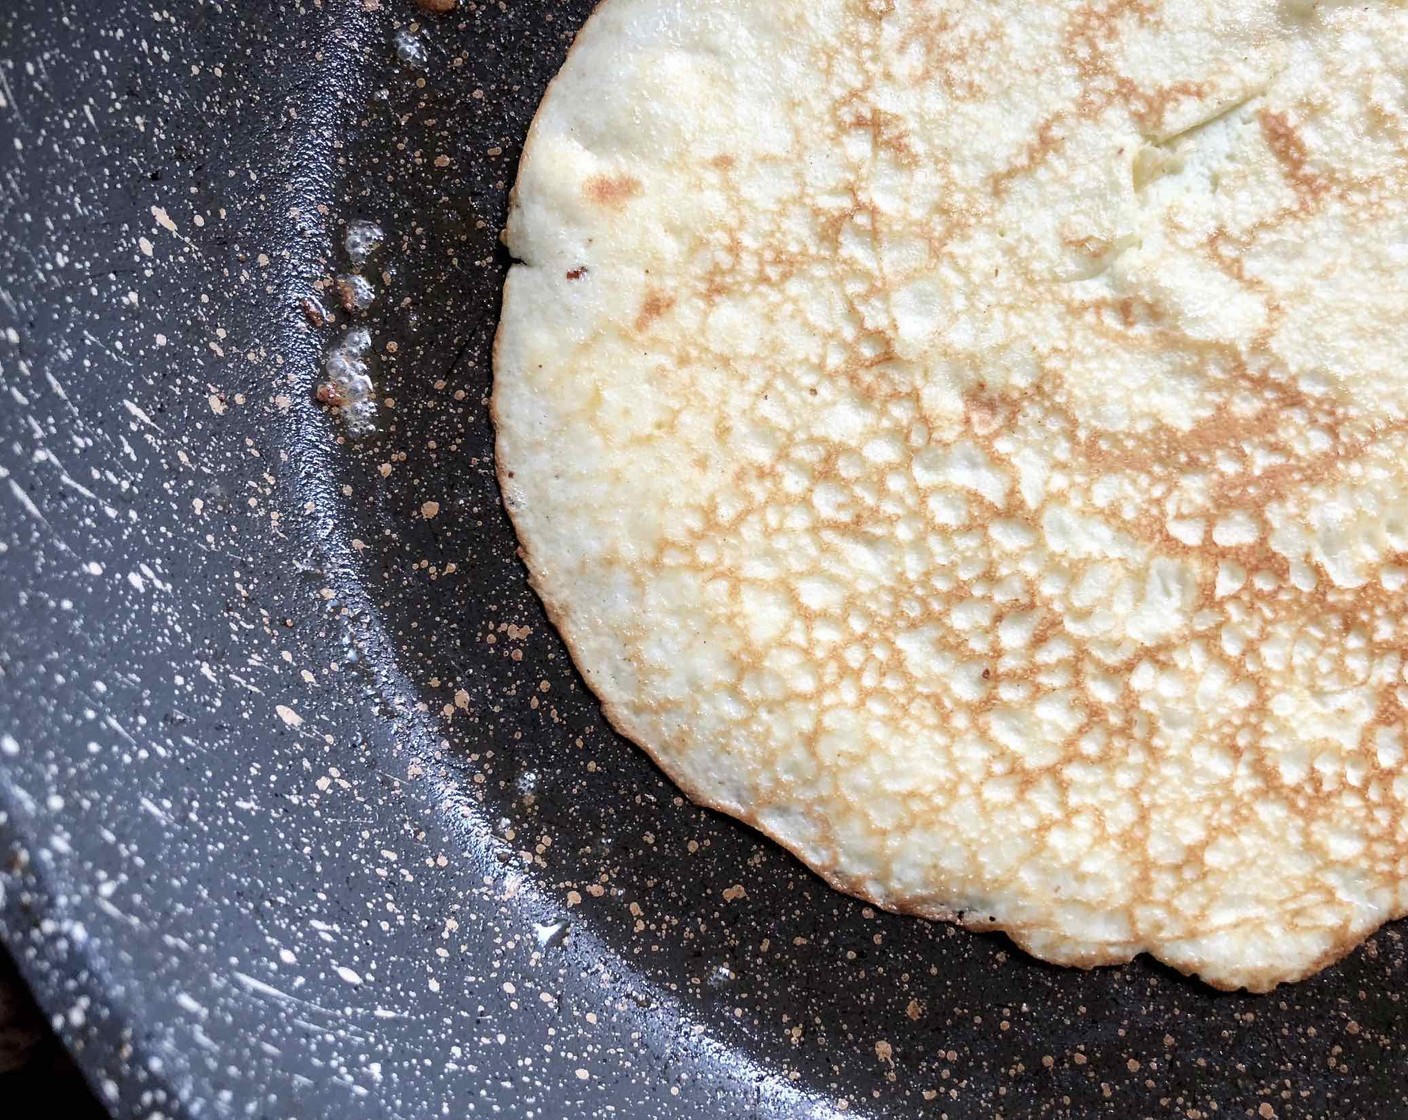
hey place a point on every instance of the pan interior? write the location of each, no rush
(321, 843)
(765, 972)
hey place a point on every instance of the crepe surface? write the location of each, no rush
(966, 442)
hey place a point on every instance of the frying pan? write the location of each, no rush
(304, 810)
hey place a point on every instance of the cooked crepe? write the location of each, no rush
(966, 441)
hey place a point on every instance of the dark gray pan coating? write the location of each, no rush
(431, 875)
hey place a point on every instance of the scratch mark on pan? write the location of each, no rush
(113, 725)
(106, 349)
(22, 795)
(154, 809)
(55, 385)
(113, 912)
(241, 681)
(263, 989)
(34, 512)
(10, 97)
(68, 479)
(136, 411)
(258, 987)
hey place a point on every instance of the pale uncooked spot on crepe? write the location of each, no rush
(967, 442)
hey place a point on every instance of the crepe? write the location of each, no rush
(965, 441)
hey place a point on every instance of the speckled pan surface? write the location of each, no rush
(303, 809)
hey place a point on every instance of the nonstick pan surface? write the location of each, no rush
(304, 811)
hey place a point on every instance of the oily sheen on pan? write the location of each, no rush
(967, 441)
